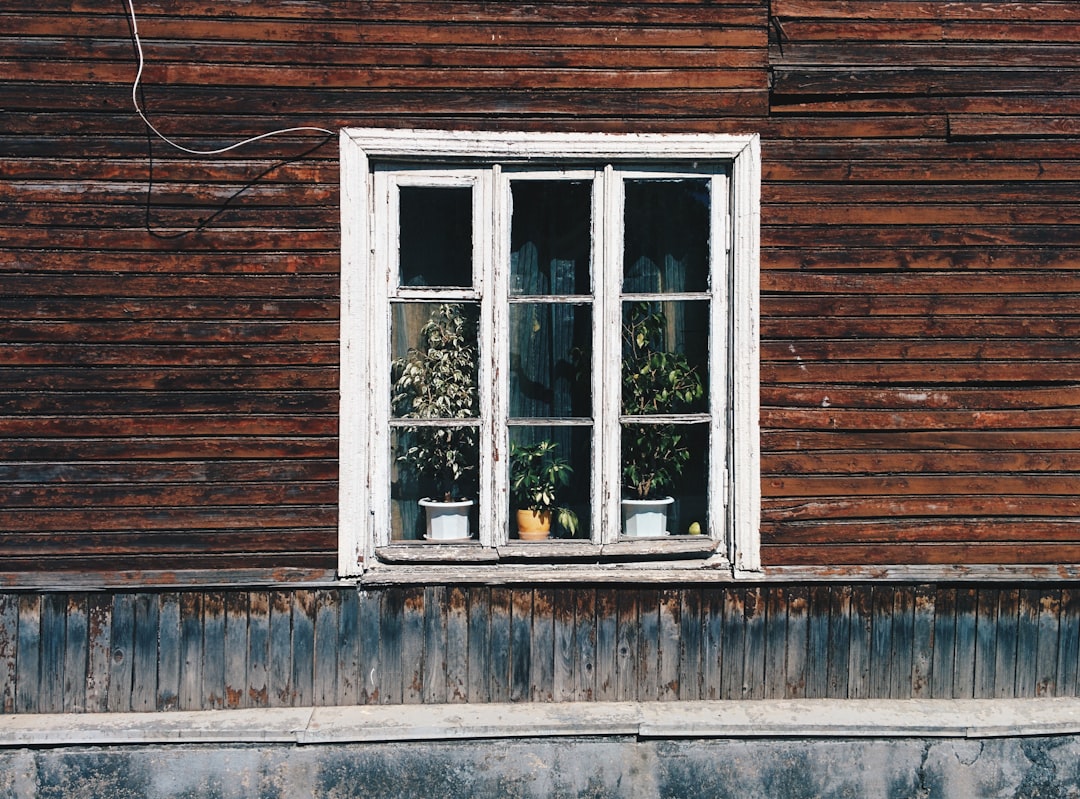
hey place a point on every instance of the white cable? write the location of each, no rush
(167, 140)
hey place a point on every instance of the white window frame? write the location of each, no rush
(366, 263)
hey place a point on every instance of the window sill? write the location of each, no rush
(667, 547)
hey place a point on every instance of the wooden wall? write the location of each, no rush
(921, 361)
(168, 321)
(97, 652)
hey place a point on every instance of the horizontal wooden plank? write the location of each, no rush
(182, 447)
(209, 471)
(873, 53)
(159, 495)
(943, 554)
(967, 282)
(51, 544)
(901, 462)
(801, 80)
(45, 403)
(929, 440)
(171, 354)
(853, 29)
(949, 9)
(100, 307)
(833, 418)
(913, 485)
(252, 517)
(955, 398)
(149, 425)
(915, 531)
(958, 506)
(89, 378)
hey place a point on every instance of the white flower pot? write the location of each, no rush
(646, 518)
(447, 521)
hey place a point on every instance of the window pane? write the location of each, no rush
(550, 360)
(435, 236)
(668, 460)
(549, 466)
(435, 360)
(666, 235)
(550, 236)
(665, 350)
(414, 482)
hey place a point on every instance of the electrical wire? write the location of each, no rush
(166, 139)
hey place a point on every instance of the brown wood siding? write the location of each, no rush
(169, 371)
(180, 650)
(921, 381)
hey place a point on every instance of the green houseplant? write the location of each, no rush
(438, 380)
(655, 381)
(536, 475)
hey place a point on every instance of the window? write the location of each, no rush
(533, 319)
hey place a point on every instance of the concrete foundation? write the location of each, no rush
(782, 750)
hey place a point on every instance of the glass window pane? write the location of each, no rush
(419, 494)
(435, 236)
(665, 350)
(435, 360)
(550, 236)
(661, 461)
(550, 360)
(549, 468)
(666, 235)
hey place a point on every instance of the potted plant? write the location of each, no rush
(655, 381)
(536, 475)
(438, 380)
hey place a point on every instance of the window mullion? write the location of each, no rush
(608, 377)
(488, 249)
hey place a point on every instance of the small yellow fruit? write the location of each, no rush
(695, 529)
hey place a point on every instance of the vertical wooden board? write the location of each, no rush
(942, 669)
(922, 642)
(348, 651)
(733, 640)
(236, 649)
(482, 644)
(1027, 642)
(53, 642)
(775, 641)
(280, 671)
(389, 676)
(712, 643)
(457, 644)
(9, 649)
(1046, 659)
(28, 662)
(564, 685)
(903, 642)
(168, 682)
(648, 644)
(258, 655)
(123, 642)
(412, 645)
(303, 648)
(585, 646)
(213, 670)
(542, 660)
(191, 659)
(839, 653)
(1068, 665)
(1005, 644)
(99, 656)
(986, 651)
(860, 642)
(754, 650)
(144, 668)
(607, 644)
(797, 643)
(76, 653)
(628, 655)
(691, 635)
(434, 679)
(818, 611)
(965, 650)
(883, 597)
(369, 628)
(668, 645)
(520, 644)
(325, 671)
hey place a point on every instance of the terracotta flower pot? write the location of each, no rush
(533, 525)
